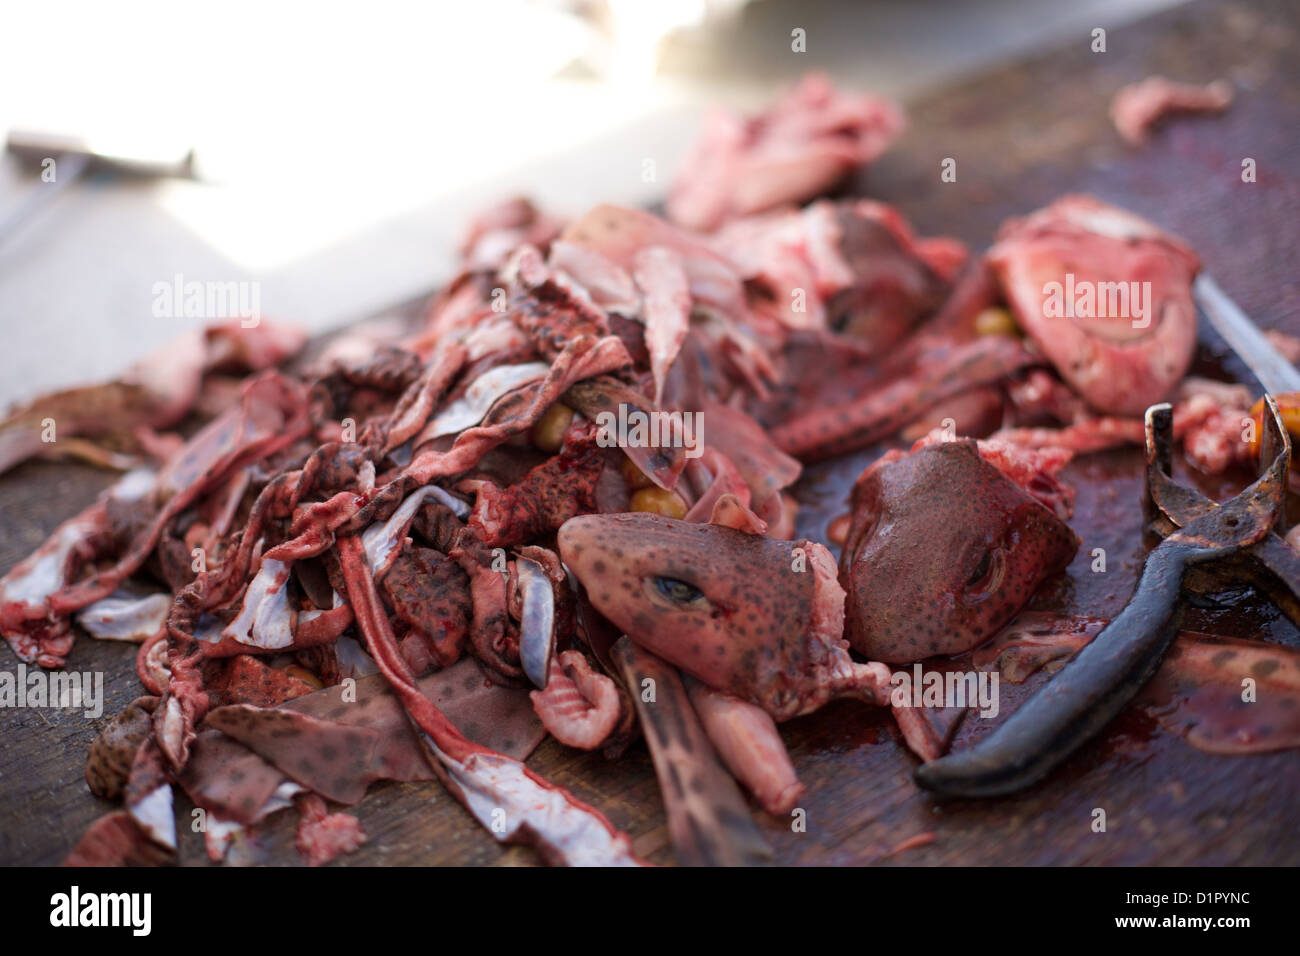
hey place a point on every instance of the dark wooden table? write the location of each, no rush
(1021, 136)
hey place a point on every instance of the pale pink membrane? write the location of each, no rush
(1139, 106)
(323, 836)
(747, 740)
(579, 707)
(838, 675)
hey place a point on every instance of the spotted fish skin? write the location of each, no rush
(942, 551)
(1200, 691)
(766, 621)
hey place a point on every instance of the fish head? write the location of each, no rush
(698, 595)
(1105, 295)
(735, 610)
(942, 551)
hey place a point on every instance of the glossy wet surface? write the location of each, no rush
(1023, 135)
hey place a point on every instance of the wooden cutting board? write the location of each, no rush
(1021, 136)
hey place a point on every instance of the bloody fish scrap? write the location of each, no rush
(418, 554)
(1139, 106)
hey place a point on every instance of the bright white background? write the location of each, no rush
(343, 146)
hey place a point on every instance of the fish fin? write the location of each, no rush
(730, 513)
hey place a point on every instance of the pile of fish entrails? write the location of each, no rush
(414, 555)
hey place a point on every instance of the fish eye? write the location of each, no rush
(981, 569)
(987, 577)
(678, 591)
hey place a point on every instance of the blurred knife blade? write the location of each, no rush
(1275, 373)
(64, 158)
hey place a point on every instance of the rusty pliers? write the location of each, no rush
(1271, 564)
(1096, 685)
